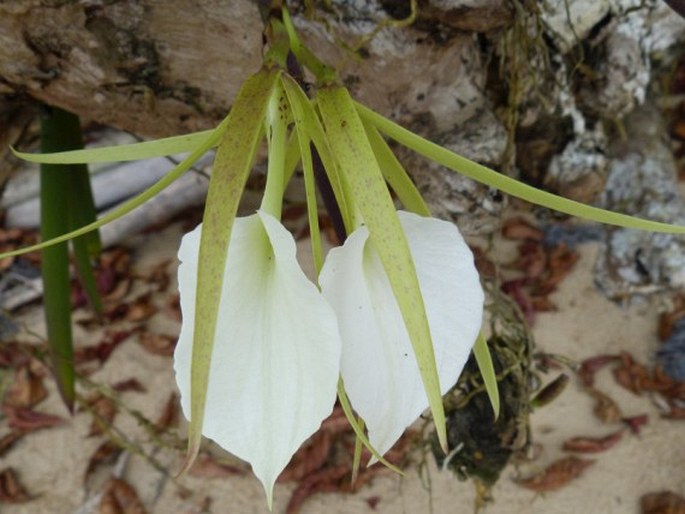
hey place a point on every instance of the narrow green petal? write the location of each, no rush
(131, 152)
(487, 370)
(357, 162)
(307, 120)
(506, 184)
(232, 165)
(395, 174)
(136, 201)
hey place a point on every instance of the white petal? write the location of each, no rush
(276, 355)
(378, 365)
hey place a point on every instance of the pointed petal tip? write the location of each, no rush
(189, 459)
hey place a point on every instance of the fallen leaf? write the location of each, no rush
(373, 501)
(667, 320)
(119, 291)
(310, 458)
(206, 466)
(635, 423)
(606, 409)
(105, 455)
(485, 267)
(26, 389)
(28, 420)
(631, 374)
(120, 498)
(663, 502)
(556, 475)
(140, 309)
(519, 228)
(169, 416)
(9, 440)
(158, 276)
(131, 384)
(158, 344)
(676, 412)
(589, 367)
(560, 262)
(323, 480)
(103, 411)
(101, 351)
(11, 490)
(592, 444)
(550, 392)
(173, 308)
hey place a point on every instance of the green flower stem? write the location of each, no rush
(506, 184)
(277, 125)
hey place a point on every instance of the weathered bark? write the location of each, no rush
(152, 67)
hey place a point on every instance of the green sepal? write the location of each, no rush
(395, 174)
(506, 184)
(232, 165)
(136, 201)
(357, 163)
(121, 153)
(487, 370)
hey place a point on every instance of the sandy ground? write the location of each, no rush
(52, 463)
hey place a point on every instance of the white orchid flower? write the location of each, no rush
(378, 366)
(276, 357)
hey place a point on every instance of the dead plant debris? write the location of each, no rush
(662, 502)
(592, 444)
(11, 490)
(157, 344)
(556, 475)
(543, 267)
(120, 498)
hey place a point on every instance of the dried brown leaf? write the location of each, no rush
(592, 444)
(327, 479)
(635, 423)
(310, 458)
(28, 420)
(519, 228)
(173, 308)
(206, 466)
(105, 455)
(551, 391)
(606, 409)
(101, 351)
(631, 374)
(556, 475)
(158, 276)
(11, 490)
(120, 498)
(103, 410)
(667, 320)
(26, 389)
(663, 502)
(9, 440)
(169, 416)
(589, 367)
(141, 308)
(158, 344)
(131, 384)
